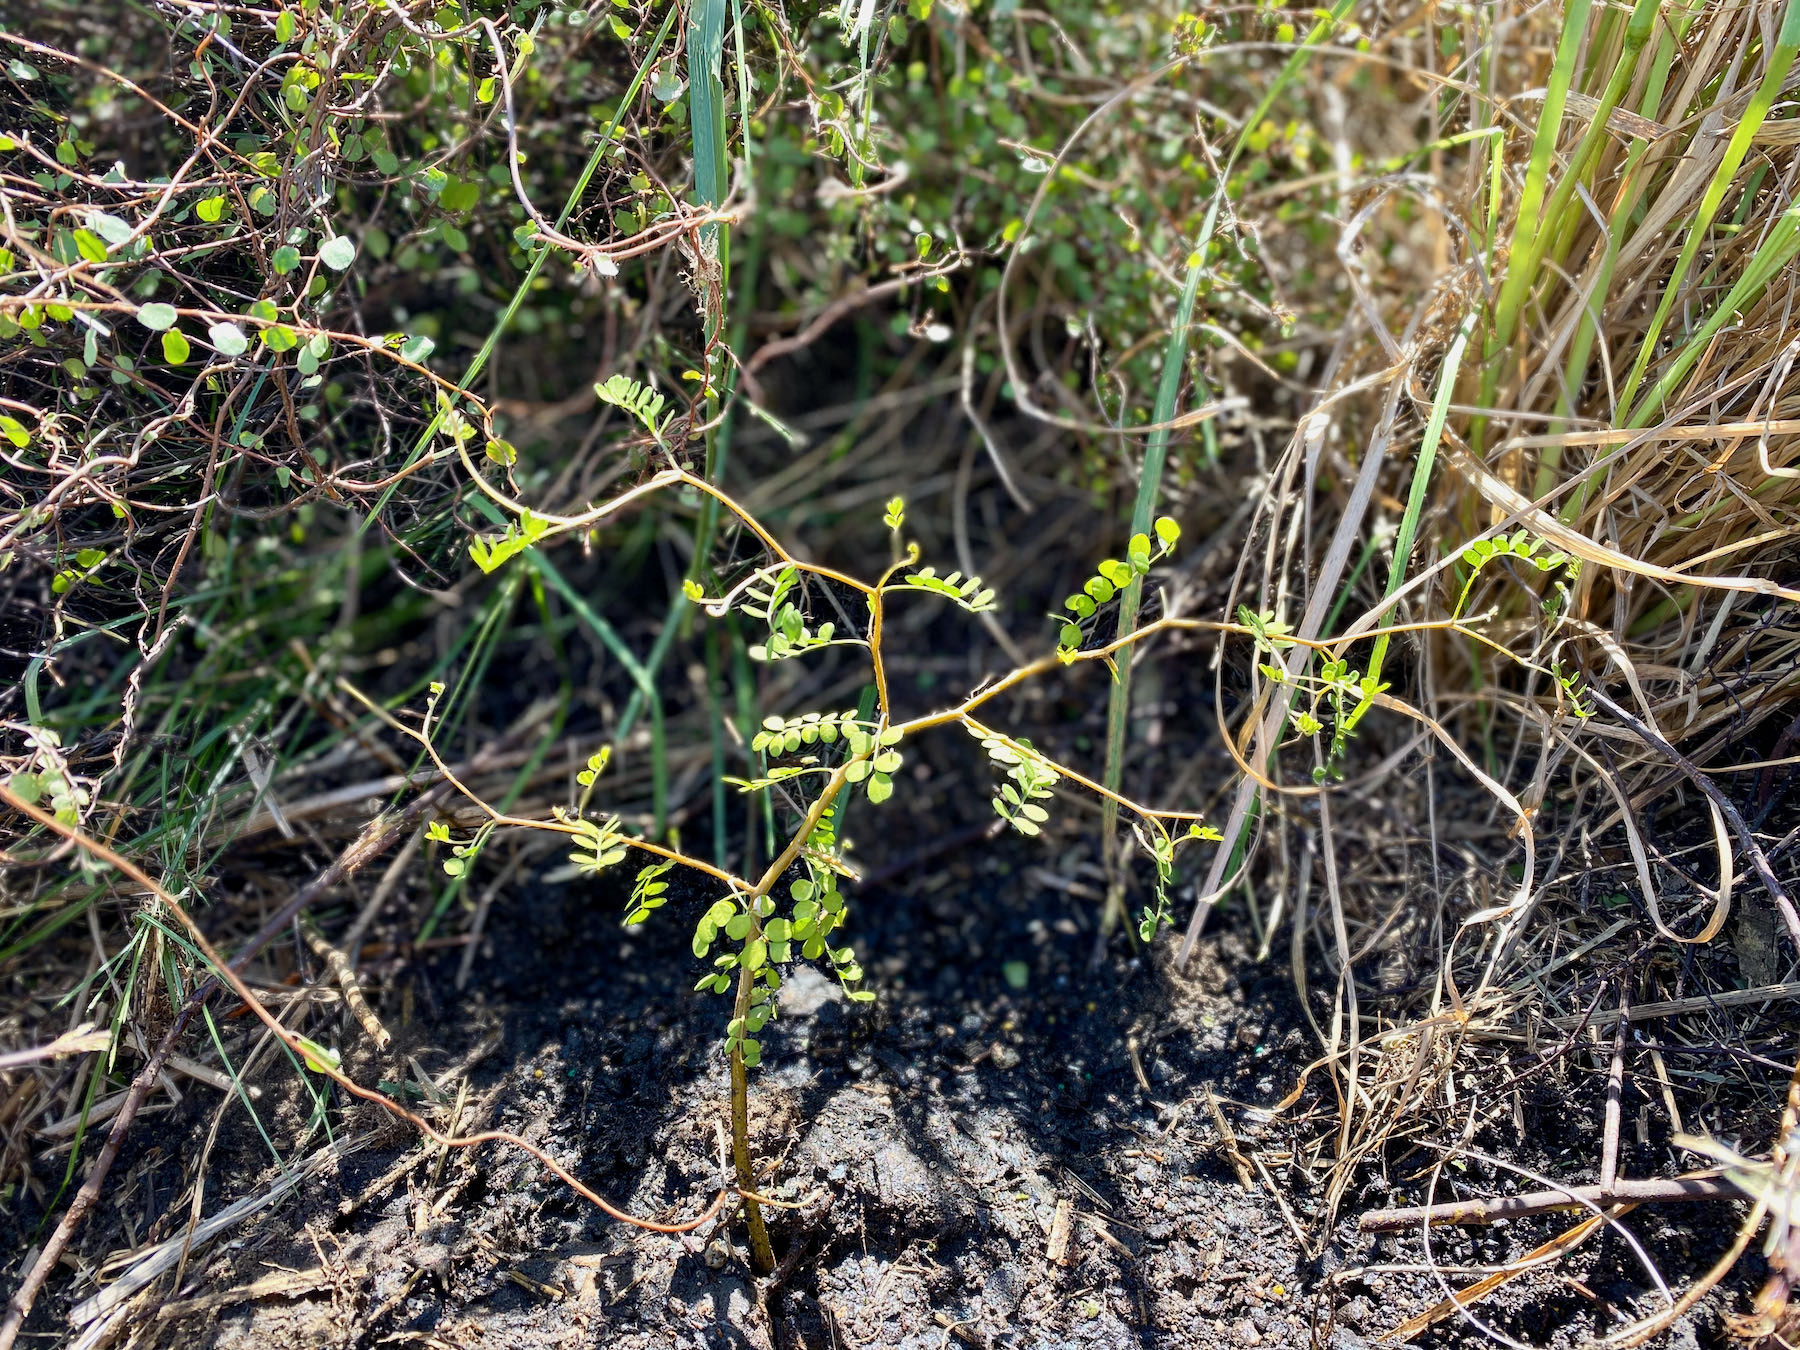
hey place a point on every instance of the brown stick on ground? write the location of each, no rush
(1615, 1091)
(1558, 1246)
(377, 836)
(1704, 1186)
(339, 967)
(1228, 1141)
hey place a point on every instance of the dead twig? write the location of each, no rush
(1746, 839)
(1701, 1186)
(1557, 1247)
(81, 1041)
(1228, 1141)
(338, 965)
(19, 1308)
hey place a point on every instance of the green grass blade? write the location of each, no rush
(706, 117)
(1781, 61)
(1778, 249)
(1528, 226)
(1168, 394)
(1415, 496)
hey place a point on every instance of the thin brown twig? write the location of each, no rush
(1707, 1185)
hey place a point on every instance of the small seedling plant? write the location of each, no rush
(797, 910)
(753, 929)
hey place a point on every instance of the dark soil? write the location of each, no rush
(925, 1141)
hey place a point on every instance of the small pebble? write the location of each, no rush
(1005, 1057)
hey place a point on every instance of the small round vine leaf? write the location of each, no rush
(338, 253)
(229, 339)
(156, 316)
(175, 347)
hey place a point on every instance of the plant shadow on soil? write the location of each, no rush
(924, 1142)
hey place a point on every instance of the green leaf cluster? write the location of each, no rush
(598, 845)
(48, 780)
(648, 893)
(462, 856)
(596, 765)
(789, 634)
(873, 759)
(638, 400)
(1030, 781)
(1111, 577)
(490, 553)
(970, 594)
(1522, 545)
(781, 736)
(1270, 634)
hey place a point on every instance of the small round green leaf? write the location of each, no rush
(229, 339)
(157, 316)
(175, 347)
(338, 253)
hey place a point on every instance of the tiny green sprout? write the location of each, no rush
(798, 910)
(1162, 849)
(317, 1057)
(438, 832)
(596, 766)
(490, 553)
(1570, 682)
(637, 400)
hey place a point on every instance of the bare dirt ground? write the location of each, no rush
(925, 1144)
